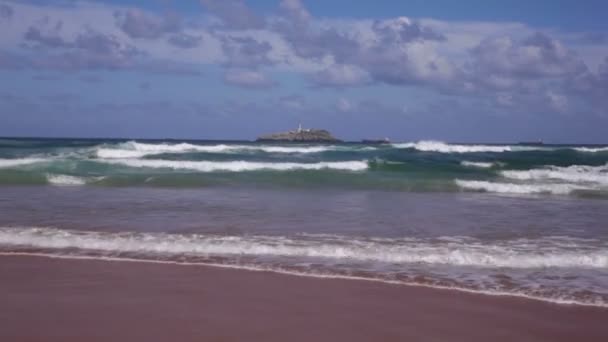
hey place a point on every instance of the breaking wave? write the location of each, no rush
(6, 163)
(65, 180)
(418, 262)
(518, 254)
(398, 166)
(134, 149)
(591, 149)
(238, 166)
(575, 173)
(514, 188)
(438, 146)
(442, 147)
(109, 153)
(482, 165)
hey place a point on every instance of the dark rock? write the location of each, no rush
(300, 135)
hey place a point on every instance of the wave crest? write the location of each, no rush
(238, 166)
(442, 147)
(523, 253)
(514, 188)
(6, 163)
(575, 173)
(134, 149)
(65, 180)
(591, 149)
(482, 165)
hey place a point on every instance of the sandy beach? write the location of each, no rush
(301, 170)
(45, 299)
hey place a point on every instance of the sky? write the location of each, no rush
(465, 71)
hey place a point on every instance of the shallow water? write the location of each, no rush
(554, 248)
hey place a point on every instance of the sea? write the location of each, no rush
(494, 219)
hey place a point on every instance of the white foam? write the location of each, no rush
(518, 254)
(591, 149)
(439, 146)
(65, 180)
(118, 153)
(237, 166)
(513, 188)
(7, 163)
(134, 149)
(482, 165)
(575, 174)
(176, 148)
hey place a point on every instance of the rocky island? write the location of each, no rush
(299, 135)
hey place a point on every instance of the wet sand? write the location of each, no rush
(43, 299)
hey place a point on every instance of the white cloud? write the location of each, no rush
(247, 78)
(339, 75)
(344, 105)
(500, 60)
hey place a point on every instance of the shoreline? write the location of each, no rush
(308, 275)
(59, 299)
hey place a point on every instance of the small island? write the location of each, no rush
(300, 135)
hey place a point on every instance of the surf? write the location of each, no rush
(574, 173)
(442, 147)
(237, 166)
(524, 253)
(134, 149)
(8, 163)
(521, 189)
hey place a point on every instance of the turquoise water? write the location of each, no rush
(418, 166)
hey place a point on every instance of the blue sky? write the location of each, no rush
(467, 71)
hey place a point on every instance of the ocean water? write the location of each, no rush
(529, 221)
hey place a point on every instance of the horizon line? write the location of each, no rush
(521, 142)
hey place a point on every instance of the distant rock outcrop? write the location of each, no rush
(300, 135)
